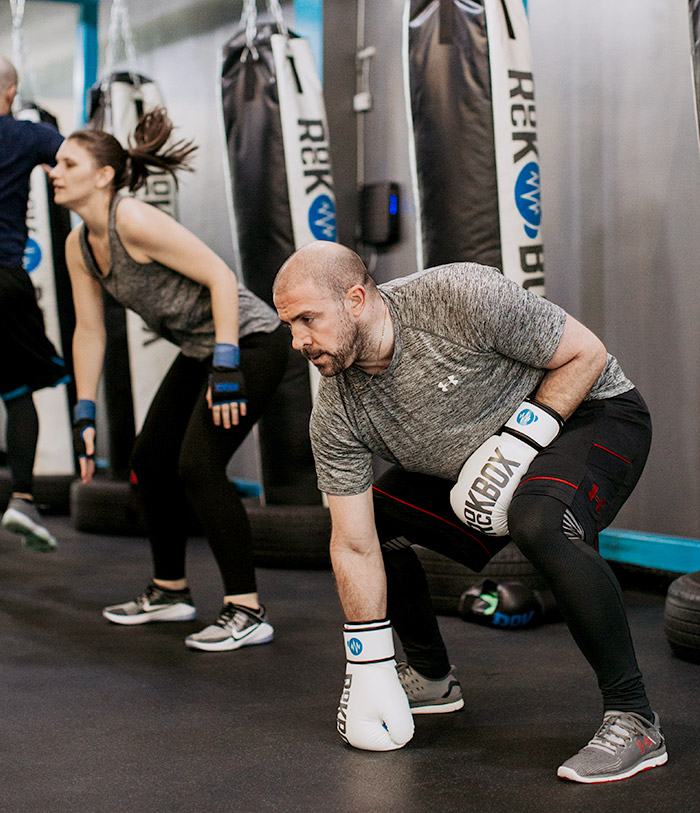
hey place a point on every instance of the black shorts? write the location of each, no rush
(29, 360)
(591, 468)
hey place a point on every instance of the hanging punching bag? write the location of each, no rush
(472, 111)
(282, 197)
(48, 226)
(136, 358)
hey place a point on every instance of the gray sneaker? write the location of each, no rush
(427, 696)
(625, 744)
(154, 604)
(22, 517)
(236, 626)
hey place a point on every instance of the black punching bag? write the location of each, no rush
(283, 197)
(472, 109)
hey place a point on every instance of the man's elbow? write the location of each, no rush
(599, 356)
(351, 545)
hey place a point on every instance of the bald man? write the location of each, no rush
(30, 361)
(503, 418)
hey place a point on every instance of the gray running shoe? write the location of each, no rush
(22, 517)
(427, 696)
(235, 627)
(625, 744)
(154, 604)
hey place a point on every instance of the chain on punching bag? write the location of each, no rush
(282, 197)
(472, 111)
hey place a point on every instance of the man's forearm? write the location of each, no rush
(361, 581)
(565, 388)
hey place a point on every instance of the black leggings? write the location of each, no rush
(180, 456)
(586, 474)
(22, 433)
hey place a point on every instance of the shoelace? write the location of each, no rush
(236, 616)
(147, 595)
(616, 730)
(408, 676)
(151, 592)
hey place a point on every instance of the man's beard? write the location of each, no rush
(352, 345)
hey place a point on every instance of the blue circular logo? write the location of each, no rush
(526, 417)
(527, 197)
(32, 255)
(322, 218)
(355, 646)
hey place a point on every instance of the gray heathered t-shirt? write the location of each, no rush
(469, 346)
(172, 305)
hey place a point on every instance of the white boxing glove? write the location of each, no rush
(373, 713)
(481, 497)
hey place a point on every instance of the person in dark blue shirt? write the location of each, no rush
(29, 360)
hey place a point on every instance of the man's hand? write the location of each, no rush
(481, 497)
(373, 713)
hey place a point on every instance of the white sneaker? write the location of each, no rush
(22, 517)
(154, 604)
(236, 626)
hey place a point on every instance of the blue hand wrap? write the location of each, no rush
(84, 410)
(227, 355)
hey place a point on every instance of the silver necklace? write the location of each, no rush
(379, 352)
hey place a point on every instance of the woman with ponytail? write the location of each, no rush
(232, 356)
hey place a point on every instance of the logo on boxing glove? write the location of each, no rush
(526, 417)
(355, 646)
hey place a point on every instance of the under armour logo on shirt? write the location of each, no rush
(445, 385)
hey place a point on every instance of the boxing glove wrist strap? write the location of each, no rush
(370, 642)
(84, 410)
(227, 355)
(535, 424)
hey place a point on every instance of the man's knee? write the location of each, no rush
(534, 518)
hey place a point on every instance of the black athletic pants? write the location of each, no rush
(29, 362)
(573, 489)
(181, 456)
(22, 434)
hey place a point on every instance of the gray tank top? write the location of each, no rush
(172, 305)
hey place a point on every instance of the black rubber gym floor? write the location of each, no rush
(100, 718)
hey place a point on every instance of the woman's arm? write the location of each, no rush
(89, 339)
(150, 235)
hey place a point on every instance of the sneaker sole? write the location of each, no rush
(178, 612)
(443, 708)
(570, 774)
(35, 536)
(228, 644)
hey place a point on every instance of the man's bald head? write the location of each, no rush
(8, 75)
(331, 267)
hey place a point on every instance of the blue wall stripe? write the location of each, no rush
(674, 554)
(308, 22)
(86, 50)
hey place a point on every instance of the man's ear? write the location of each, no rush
(356, 299)
(10, 94)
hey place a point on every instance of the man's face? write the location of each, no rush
(322, 329)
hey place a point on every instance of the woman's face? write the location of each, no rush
(76, 175)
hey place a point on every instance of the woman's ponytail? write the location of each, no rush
(131, 166)
(147, 150)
